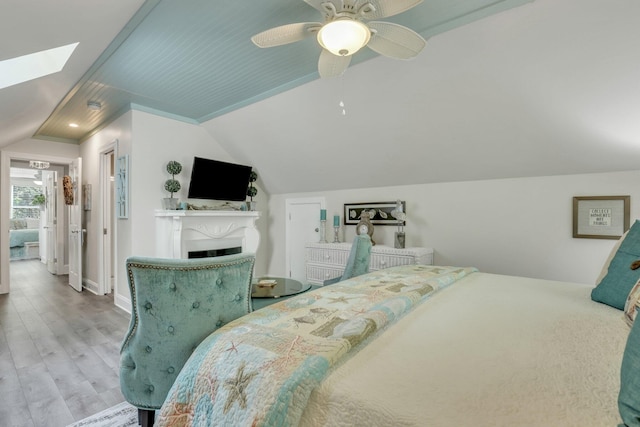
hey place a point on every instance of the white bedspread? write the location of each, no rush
(490, 351)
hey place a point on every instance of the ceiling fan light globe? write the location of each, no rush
(344, 37)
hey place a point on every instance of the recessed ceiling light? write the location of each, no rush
(28, 67)
(73, 125)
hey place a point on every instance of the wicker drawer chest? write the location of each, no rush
(328, 260)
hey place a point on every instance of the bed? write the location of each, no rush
(412, 346)
(24, 236)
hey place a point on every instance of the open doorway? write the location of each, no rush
(62, 252)
(37, 221)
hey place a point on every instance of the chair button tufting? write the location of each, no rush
(172, 287)
(171, 370)
(148, 306)
(170, 329)
(219, 323)
(238, 297)
(148, 349)
(151, 388)
(196, 304)
(218, 281)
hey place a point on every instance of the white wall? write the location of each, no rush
(45, 148)
(519, 226)
(120, 131)
(158, 140)
(151, 142)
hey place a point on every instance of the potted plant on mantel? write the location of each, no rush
(172, 185)
(252, 191)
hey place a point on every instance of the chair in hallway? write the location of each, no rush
(358, 262)
(176, 303)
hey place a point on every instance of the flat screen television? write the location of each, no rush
(216, 180)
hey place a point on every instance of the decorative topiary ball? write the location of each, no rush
(174, 168)
(253, 177)
(252, 191)
(172, 186)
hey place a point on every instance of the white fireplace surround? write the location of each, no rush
(181, 232)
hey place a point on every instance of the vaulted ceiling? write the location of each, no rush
(194, 58)
(503, 88)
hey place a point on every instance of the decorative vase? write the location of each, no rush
(170, 203)
(251, 206)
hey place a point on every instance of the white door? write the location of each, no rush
(75, 226)
(303, 226)
(108, 221)
(49, 179)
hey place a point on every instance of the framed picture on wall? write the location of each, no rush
(600, 217)
(122, 187)
(380, 213)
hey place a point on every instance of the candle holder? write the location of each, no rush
(323, 225)
(336, 232)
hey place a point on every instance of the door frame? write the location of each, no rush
(5, 195)
(288, 232)
(75, 227)
(103, 271)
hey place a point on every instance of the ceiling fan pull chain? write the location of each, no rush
(341, 103)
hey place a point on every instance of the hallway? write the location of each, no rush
(59, 350)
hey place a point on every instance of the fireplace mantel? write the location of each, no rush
(180, 232)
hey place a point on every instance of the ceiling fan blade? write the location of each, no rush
(330, 65)
(386, 8)
(286, 34)
(395, 41)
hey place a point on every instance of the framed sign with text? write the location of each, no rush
(600, 217)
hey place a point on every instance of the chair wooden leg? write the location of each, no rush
(146, 417)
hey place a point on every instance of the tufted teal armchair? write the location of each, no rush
(176, 303)
(358, 262)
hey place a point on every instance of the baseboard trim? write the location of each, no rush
(91, 286)
(123, 303)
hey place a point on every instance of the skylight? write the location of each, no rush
(32, 66)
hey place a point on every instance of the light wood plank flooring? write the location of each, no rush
(59, 350)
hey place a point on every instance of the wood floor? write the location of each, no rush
(59, 350)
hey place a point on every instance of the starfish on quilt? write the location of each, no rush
(236, 387)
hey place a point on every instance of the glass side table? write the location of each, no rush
(263, 296)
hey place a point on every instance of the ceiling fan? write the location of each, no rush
(348, 26)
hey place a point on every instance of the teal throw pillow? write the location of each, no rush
(620, 278)
(629, 397)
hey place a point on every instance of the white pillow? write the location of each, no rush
(33, 223)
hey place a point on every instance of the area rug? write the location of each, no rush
(121, 415)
